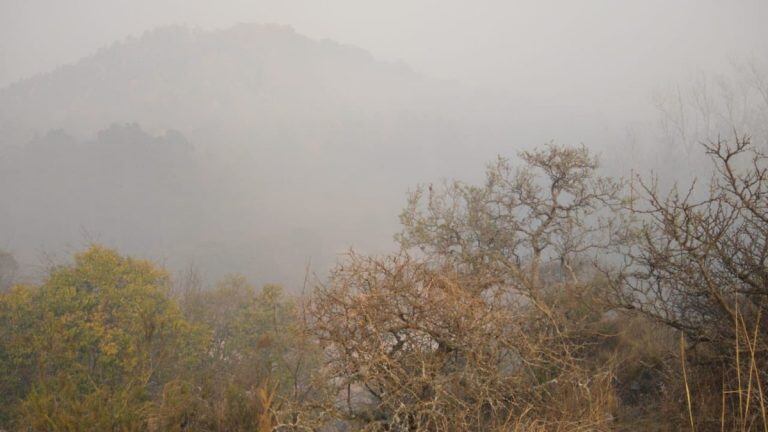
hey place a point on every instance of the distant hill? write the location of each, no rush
(240, 81)
(252, 149)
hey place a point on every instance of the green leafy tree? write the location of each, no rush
(92, 346)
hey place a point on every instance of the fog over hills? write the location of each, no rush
(257, 150)
(252, 150)
(255, 75)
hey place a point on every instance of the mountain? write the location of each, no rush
(247, 81)
(252, 149)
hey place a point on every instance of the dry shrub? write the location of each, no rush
(416, 347)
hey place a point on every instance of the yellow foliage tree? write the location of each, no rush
(92, 346)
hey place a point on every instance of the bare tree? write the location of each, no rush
(552, 210)
(475, 334)
(697, 261)
(708, 105)
(692, 258)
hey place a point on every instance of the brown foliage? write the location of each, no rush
(416, 347)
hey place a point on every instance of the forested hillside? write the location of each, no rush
(318, 139)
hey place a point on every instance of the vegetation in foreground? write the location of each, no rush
(547, 298)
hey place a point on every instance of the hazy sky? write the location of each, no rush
(607, 54)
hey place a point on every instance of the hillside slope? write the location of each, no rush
(298, 149)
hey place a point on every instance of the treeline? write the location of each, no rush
(548, 297)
